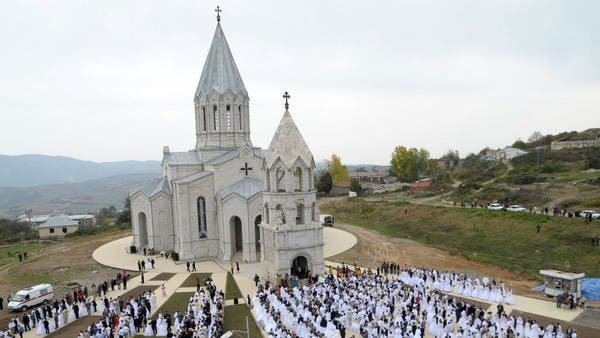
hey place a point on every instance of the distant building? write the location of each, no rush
(421, 184)
(585, 139)
(83, 219)
(57, 226)
(507, 153)
(369, 175)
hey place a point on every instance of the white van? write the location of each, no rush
(327, 220)
(30, 297)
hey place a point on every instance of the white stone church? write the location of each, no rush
(227, 199)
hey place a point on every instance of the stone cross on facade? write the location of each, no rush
(218, 10)
(286, 96)
(246, 168)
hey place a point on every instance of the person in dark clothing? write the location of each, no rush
(188, 266)
(142, 278)
(237, 266)
(76, 310)
(153, 325)
(47, 326)
(193, 266)
(26, 322)
(1, 303)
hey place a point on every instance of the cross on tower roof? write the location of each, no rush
(218, 10)
(286, 96)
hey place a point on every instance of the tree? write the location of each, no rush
(356, 187)
(338, 171)
(409, 164)
(536, 136)
(451, 158)
(520, 145)
(124, 216)
(325, 183)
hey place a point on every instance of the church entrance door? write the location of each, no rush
(143, 230)
(257, 221)
(236, 232)
(300, 267)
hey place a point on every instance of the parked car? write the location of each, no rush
(496, 206)
(596, 215)
(516, 207)
(327, 220)
(585, 213)
(29, 297)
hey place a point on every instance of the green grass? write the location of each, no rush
(8, 254)
(503, 238)
(235, 319)
(231, 288)
(177, 302)
(194, 278)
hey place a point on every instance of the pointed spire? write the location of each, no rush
(288, 144)
(220, 71)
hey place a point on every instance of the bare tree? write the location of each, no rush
(536, 136)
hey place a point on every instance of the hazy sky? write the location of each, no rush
(115, 80)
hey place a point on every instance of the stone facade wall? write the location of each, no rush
(44, 232)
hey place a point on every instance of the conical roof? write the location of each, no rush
(288, 144)
(220, 72)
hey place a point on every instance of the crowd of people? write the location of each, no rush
(202, 319)
(49, 317)
(75, 304)
(392, 302)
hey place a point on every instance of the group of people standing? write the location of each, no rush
(203, 318)
(49, 317)
(122, 318)
(408, 303)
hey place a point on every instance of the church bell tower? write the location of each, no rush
(221, 99)
(291, 234)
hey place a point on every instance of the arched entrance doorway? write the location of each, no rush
(257, 221)
(300, 267)
(236, 234)
(143, 230)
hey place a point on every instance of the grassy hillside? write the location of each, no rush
(503, 238)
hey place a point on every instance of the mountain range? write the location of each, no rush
(33, 170)
(59, 184)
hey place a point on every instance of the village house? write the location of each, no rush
(57, 226)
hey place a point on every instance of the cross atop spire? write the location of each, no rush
(218, 10)
(286, 96)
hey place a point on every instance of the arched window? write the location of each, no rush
(201, 204)
(300, 213)
(280, 214)
(279, 181)
(240, 117)
(266, 212)
(215, 118)
(297, 179)
(228, 115)
(204, 118)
